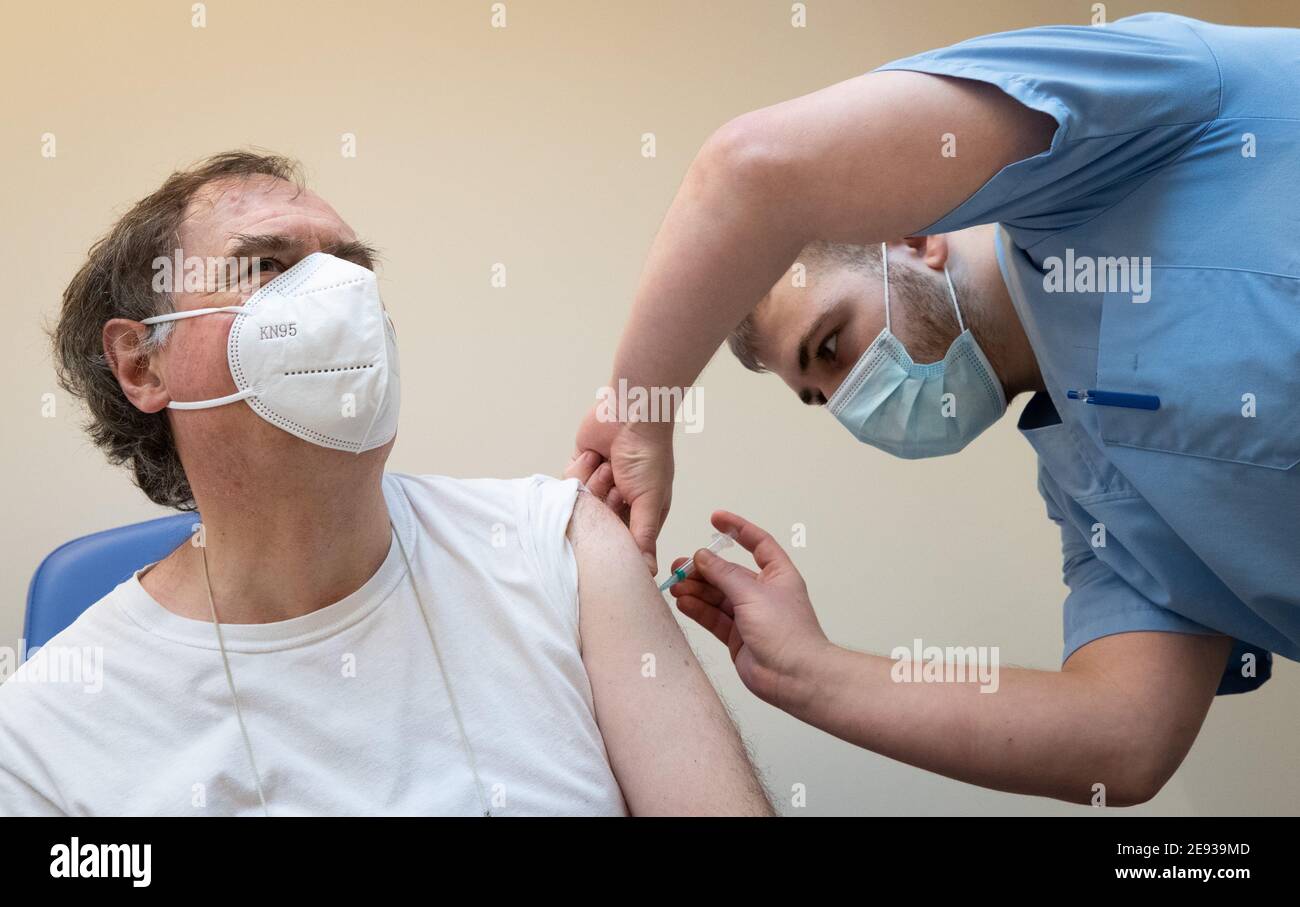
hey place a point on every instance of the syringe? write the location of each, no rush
(720, 540)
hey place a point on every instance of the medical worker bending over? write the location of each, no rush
(336, 640)
(1105, 217)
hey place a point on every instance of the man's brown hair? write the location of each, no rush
(117, 281)
(818, 254)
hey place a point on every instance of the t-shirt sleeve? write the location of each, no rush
(547, 507)
(1128, 99)
(1100, 603)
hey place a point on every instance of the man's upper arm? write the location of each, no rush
(672, 746)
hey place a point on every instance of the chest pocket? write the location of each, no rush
(1221, 349)
(1068, 455)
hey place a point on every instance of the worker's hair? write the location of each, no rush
(818, 255)
(117, 281)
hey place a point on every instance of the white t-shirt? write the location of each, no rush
(345, 707)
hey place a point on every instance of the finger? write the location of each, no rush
(646, 518)
(736, 582)
(582, 465)
(585, 456)
(689, 588)
(708, 617)
(601, 481)
(677, 562)
(755, 540)
(615, 500)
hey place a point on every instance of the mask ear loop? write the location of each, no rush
(192, 313)
(884, 266)
(219, 401)
(388, 381)
(953, 295)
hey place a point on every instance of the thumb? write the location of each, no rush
(643, 521)
(734, 580)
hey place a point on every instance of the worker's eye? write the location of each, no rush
(827, 350)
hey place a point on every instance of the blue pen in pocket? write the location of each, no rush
(1115, 398)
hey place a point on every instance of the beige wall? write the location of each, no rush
(522, 146)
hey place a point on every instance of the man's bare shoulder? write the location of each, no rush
(594, 524)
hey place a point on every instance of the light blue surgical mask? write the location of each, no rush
(912, 410)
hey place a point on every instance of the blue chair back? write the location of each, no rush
(81, 572)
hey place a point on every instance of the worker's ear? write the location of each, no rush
(136, 371)
(933, 250)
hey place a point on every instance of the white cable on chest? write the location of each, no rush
(437, 654)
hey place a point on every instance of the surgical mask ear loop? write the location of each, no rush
(884, 266)
(230, 682)
(952, 294)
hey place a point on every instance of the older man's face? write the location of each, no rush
(257, 218)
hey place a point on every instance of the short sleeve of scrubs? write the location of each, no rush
(1127, 97)
(1130, 99)
(1100, 604)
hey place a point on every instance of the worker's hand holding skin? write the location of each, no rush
(857, 163)
(641, 455)
(854, 162)
(1122, 712)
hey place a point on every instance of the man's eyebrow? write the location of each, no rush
(249, 245)
(809, 336)
(353, 250)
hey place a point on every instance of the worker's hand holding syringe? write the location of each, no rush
(764, 619)
(1049, 733)
(683, 569)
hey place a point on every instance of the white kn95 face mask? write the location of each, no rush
(314, 353)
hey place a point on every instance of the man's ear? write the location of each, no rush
(136, 371)
(933, 250)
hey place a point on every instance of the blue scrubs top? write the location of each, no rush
(1178, 142)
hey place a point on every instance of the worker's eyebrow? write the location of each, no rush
(250, 245)
(809, 337)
